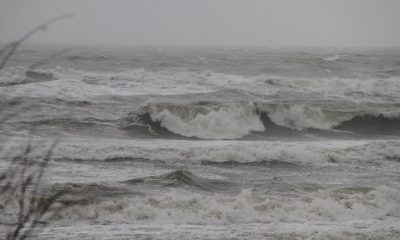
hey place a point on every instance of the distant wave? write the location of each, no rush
(236, 120)
(332, 58)
(20, 75)
(86, 84)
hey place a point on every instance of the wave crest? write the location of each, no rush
(235, 120)
(222, 121)
(301, 117)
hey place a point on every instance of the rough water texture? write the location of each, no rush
(185, 143)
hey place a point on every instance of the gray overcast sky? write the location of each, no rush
(208, 22)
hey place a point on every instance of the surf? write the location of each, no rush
(236, 120)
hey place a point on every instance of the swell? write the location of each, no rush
(372, 125)
(181, 178)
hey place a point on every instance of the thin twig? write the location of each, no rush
(12, 47)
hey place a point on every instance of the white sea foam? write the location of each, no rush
(75, 83)
(319, 189)
(332, 58)
(12, 75)
(82, 85)
(310, 152)
(224, 121)
(237, 119)
(182, 207)
(300, 117)
(354, 90)
(364, 229)
(79, 84)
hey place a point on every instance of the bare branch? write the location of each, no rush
(12, 47)
(21, 182)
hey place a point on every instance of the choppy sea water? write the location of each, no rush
(201, 143)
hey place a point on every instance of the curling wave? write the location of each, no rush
(223, 121)
(211, 120)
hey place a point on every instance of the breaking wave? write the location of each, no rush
(209, 120)
(182, 207)
(224, 121)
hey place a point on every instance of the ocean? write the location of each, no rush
(210, 143)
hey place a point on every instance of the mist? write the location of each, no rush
(208, 22)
